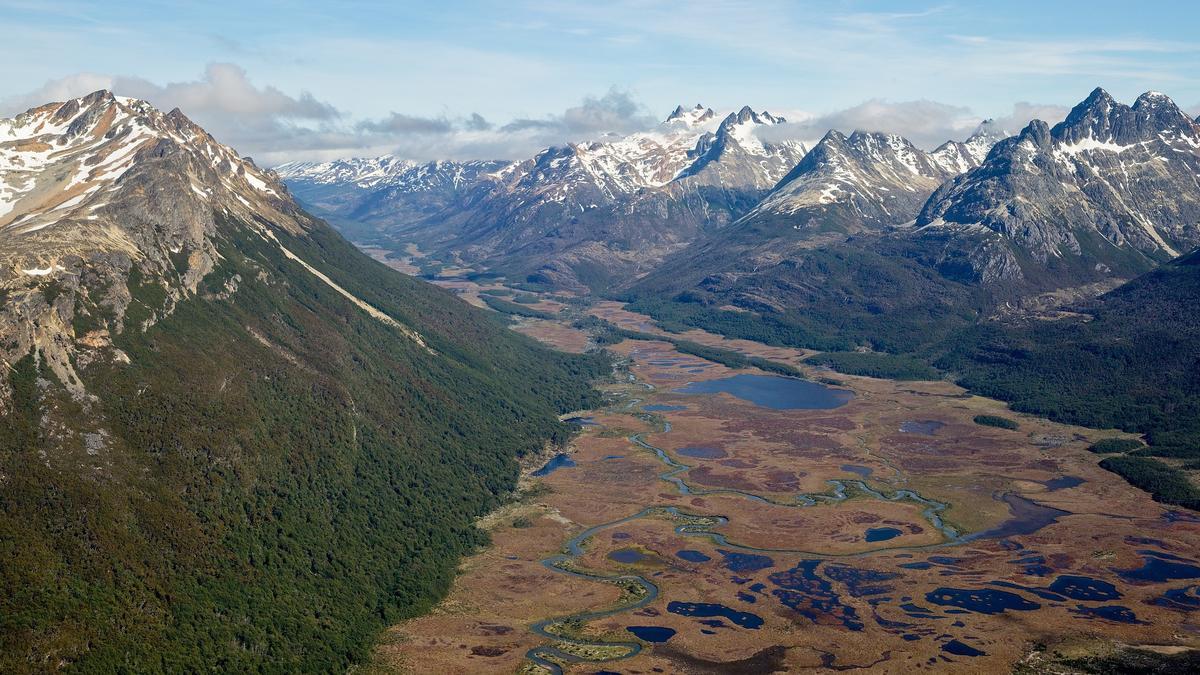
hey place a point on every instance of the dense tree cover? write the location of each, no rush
(877, 364)
(1109, 446)
(1165, 483)
(284, 475)
(996, 421)
(512, 308)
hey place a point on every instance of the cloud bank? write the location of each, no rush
(274, 127)
(927, 124)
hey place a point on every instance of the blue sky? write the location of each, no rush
(316, 79)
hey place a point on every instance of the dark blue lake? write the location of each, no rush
(745, 562)
(982, 600)
(1114, 613)
(557, 462)
(1084, 588)
(709, 609)
(773, 391)
(692, 556)
(1062, 483)
(652, 633)
(882, 533)
(1025, 517)
(1160, 567)
(863, 472)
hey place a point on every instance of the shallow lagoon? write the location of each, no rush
(773, 391)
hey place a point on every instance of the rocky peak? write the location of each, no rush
(1111, 190)
(690, 116)
(1101, 119)
(747, 115)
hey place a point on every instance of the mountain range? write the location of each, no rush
(1103, 196)
(229, 440)
(580, 215)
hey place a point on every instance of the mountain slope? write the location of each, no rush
(1129, 359)
(825, 257)
(1110, 191)
(230, 441)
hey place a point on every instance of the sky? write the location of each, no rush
(304, 80)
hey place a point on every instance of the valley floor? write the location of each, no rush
(886, 531)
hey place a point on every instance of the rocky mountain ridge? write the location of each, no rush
(1111, 190)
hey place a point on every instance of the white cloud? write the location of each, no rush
(1024, 112)
(927, 124)
(274, 127)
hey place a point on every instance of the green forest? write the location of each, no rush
(285, 475)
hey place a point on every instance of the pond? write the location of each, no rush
(652, 633)
(557, 462)
(882, 534)
(773, 391)
(701, 452)
(709, 609)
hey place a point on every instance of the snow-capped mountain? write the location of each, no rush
(367, 196)
(68, 163)
(364, 172)
(606, 207)
(100, 188)
(867, 180)
(961, 156)
(1110, 190)
(735, 156)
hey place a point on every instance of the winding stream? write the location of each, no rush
(638, 591)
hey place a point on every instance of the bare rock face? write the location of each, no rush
(83, 221)
(1111, 190)
(866, 181)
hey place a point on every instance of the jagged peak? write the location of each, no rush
(1098, 105)
(748, 115)
(694, 115)
(1037, 131)
(1098, 95)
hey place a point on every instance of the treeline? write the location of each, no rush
(877, 364)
